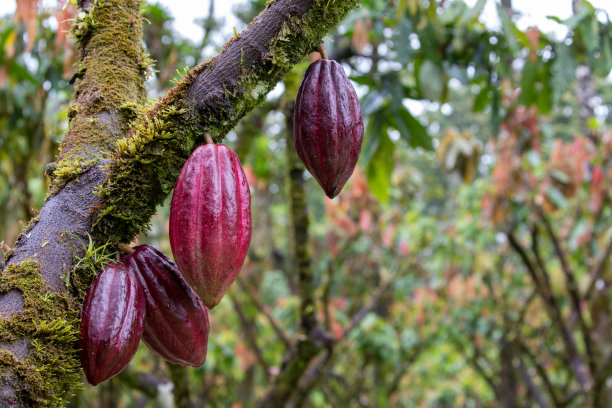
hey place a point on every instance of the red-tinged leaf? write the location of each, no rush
(597, 194)
(26, 13)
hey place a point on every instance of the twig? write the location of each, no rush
(181, 390)
(250, 335)
(126, 248)
(541, 372)
(209, 22)
(325, 296)
(322, 51)
(572, 288)
(598, 272)
(533, 390)
(362, 313)
(275, 326)
(545, 291)
(208, 138)
(145, 383)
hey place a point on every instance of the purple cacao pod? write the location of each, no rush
(328, 125)
(177, 325)
(112, 323)
(210, 221)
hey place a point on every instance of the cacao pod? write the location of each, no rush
(210, 221)
(328, 125)
(177, 325)
(112, 323)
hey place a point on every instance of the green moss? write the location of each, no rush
(85, 268)
(68, 169)
(51, 371)
(146, 162)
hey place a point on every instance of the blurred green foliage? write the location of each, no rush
(444, 270)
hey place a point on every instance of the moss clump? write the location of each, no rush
(51, 371)
(68, 169)
(85, 268)
(144, 171)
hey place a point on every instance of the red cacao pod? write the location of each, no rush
(210, 221)
(177, 322)
(328, 125)
(112, 323)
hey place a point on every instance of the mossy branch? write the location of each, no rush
(212, 98)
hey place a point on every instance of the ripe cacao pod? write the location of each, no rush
(210, 221)
(328, 125)
(177, 325)
(112, 322)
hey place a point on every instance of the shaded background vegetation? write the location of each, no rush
(466, 262)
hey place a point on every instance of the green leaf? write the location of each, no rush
(376, 126)
(589, 28)
(380, 168)
(261, 158)
(560, 176)
(431, 80)
(21, 73)
(563, 71)
(371, 103)
(509, 29)
(556, 197)
(393, 88)
(577, 18)
(579, 230)
(528, 83)
(453, 12)
(604, 63)
(544, 100)
(474, 12)
(555, 19)
(364, 80)
(482, 100)
(416, 134)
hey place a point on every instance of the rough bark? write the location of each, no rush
(111, 176)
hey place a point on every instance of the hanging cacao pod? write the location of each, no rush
(328, 125)
(112, 323)
(177, 325)
(210, 221)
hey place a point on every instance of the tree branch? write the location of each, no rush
(598, 272)
(572, 289)
(250, 333)
(245, 286)
(533, 389)
(545, 291)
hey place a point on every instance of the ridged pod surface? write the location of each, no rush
(112, 323)
(210, 221)
(177, 324)
(328, 125)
